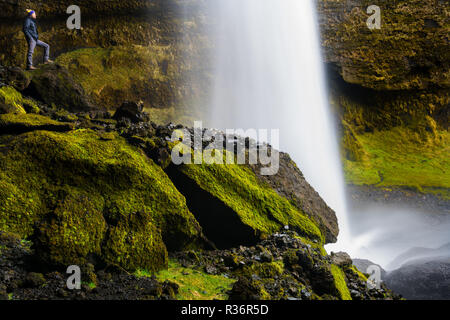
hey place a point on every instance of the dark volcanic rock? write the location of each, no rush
(16, 8)
(297, 271)
(53, 84)
(14, 76)
(422, 279)
(341, 259)
(132, 111)
(290, 183)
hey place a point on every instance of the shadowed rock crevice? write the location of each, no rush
(220, 224)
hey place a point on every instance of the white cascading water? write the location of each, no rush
(269, 75)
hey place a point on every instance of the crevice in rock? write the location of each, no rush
(221, 225)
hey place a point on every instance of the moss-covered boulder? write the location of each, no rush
(73, 231)
(82, 197)
(54, 85)
(12, 101)
(234, 207)
(290, 183)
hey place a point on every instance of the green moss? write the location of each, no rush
(137, 73)
(14, 102)
(134, 243)
(73, 231)
(340, 284)
(360, 275)
(268, 270)
(110, 75)
(257, 205)
(400, 157)
(404, 54)
(107, 179)
(194, 284)
(12, 123)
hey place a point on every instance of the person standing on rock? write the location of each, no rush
(32, 36)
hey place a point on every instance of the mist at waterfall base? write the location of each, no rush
(382, 232)
(268, 74)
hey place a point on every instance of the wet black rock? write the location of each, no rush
(422, 279)
(34, 280)
(53, 85)
(341, 259)
(280, 267)
(15, 77)
(132, 111)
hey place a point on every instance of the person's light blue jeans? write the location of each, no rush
(32, 45)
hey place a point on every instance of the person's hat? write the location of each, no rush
(30, 12)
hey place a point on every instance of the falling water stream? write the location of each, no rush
(268, 75)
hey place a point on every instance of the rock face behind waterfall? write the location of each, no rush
(399, 56)
(393, 81)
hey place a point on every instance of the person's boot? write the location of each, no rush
(31, 68)
(48, 61)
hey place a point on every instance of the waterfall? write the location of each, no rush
(268, 75)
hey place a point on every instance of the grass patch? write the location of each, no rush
(400, 157)
(194, 284)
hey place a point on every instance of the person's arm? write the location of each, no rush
(26, 29)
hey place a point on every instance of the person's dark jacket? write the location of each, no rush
(30, 29)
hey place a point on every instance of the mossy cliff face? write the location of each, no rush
(410, 51)
(81, 195)
(390, 89)
(113, 75)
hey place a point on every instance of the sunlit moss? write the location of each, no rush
(400, 157)
(44, 176)
(15, 102)
(258, 205)
(194, 284)
(340, 284)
